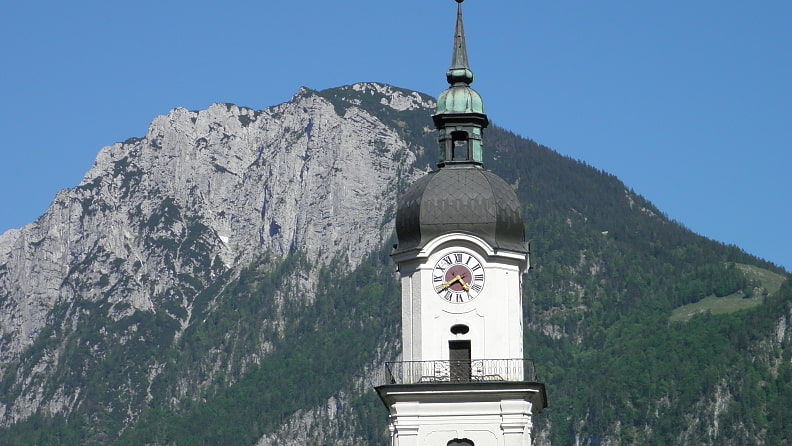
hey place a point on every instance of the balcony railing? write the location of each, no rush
(459, 371)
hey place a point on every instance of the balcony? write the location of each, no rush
(459, 371)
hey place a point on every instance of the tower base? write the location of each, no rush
(470, 414)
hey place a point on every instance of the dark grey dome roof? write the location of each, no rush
(460, 199)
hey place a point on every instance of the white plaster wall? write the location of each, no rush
(494, 316)
(497, 422)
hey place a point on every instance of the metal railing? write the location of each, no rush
(459, 371)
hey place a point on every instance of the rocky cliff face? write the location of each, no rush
(201, 194)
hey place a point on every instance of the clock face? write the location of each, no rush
(458, 277)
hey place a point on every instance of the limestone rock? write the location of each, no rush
(201, 194)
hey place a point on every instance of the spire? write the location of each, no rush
(460, 70)
(460, 116)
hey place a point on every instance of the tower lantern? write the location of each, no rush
(461, 253)
(460, 116)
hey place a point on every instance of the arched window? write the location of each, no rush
(460, 146)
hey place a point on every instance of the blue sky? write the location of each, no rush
(688, 103)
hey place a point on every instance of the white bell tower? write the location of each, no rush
(463, 379)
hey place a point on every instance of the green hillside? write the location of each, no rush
(761, 283)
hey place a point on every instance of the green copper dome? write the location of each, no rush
(460, 99)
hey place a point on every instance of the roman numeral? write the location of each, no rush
(459, 297)
(437, 278)
(477, 267)
(447, 259)
(478, 277)
(476, 287)
(447, 296)
(458, 258)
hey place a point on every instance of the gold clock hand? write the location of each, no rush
(447, 284)
(451, 282)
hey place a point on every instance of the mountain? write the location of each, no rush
(225, 280)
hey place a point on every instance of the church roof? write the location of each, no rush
(460, 199)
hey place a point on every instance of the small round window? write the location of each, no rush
(460, 329)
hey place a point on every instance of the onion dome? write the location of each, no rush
(467, 200)
(460, 99)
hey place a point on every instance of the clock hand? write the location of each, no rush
(447, 284)
(451, 282)
(464, 285)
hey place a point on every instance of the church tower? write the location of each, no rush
(461, 254)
